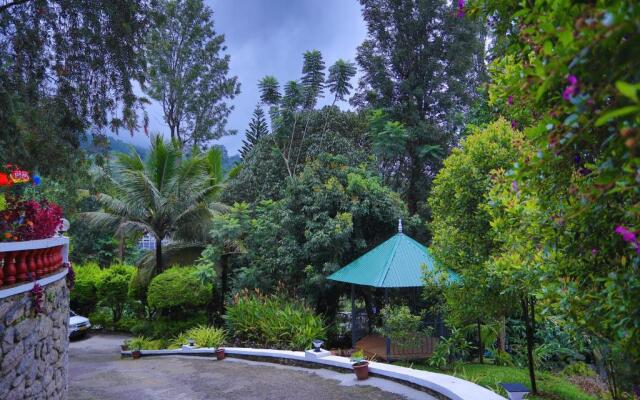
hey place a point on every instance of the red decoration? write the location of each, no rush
(4, 180)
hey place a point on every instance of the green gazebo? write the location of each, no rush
(396, 263)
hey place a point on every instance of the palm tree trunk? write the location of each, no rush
(159, 267)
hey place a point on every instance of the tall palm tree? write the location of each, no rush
(165, 194)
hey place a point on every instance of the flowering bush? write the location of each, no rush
(29, 220)
(24, 219)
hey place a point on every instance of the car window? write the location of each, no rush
(72, 314)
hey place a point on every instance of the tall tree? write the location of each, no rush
(188, 72)
(163, 195)
(293, 112)
(420, 65)
(257, 128)
(67, 67)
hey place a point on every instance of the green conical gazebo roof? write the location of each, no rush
(396, 263)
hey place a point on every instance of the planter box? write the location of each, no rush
(32, 259)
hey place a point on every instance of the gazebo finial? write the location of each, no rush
(399, 225)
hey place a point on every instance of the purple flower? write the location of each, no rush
(514, 186)
(594, 251)
(460, 8)
(514, 125)
(627, 235)
(510, 100)
(572, 89)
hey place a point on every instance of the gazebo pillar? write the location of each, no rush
(387, 340)
(353, 316)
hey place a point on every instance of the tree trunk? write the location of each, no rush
(502, 335)
(527, 309)
(159, 266)
(480, 343)
(412, 189)
(121, 249)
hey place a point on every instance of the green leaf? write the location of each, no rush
(628, 90)
(620, 112)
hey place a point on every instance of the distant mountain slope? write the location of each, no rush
(109, 144)
(113, 145)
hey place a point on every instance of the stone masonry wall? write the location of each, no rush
(33, 348)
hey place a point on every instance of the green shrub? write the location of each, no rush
(177, 290)
(143, 343)
(273, 321)
(204, 336)
(450, 349)
(164, 327)
(113, 289)
(402, 327)
(503, 359)
(578, 368)
(84, 296)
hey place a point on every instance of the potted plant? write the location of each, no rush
(125, 345)
(220, 353)
(360, 365)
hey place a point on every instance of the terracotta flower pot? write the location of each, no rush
(362, 370)
(220, 354)
(136, 354)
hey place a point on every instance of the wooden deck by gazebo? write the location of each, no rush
(375, 347)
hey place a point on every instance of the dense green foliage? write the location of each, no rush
(65, 67)
(490, 376)
(402, 327)
(202, 335)
(84, 296)
(273, 321)
(112, 289)
(177, 290)
(329, 215)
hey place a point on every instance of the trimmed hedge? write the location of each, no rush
(178, 288)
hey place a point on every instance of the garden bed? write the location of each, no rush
(551, 386)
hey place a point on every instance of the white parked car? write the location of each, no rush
(78, 325)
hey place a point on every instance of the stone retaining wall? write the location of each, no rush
(33, 348)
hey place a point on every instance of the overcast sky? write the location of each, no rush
(268, 37)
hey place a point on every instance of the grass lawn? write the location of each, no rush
(552, 386)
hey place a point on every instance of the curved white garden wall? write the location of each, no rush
(439, 385)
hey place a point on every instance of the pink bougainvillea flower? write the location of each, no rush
(627, 235)
(510, 100)
(572, 89)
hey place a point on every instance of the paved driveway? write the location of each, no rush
(97, 372)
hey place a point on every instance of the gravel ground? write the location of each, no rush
(97, 372)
